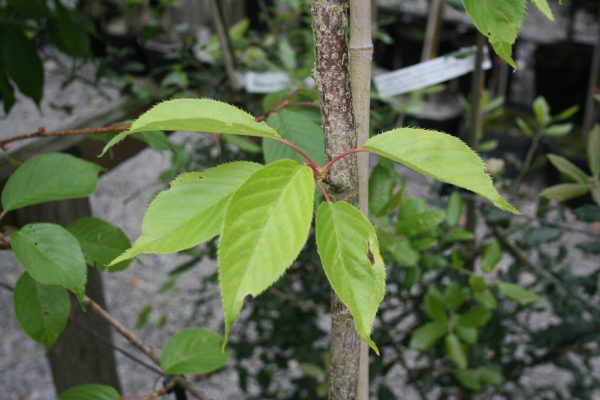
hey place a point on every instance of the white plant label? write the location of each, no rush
(428, 73)
(269, 82)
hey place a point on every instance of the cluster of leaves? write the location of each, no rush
(23, 25)
(581, 183)
(56, 259)
(263, 213)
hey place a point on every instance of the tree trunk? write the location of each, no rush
(332, 77)
(361, 57)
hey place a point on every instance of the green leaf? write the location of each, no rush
(42, 310)
(500, 21)
(381, 188)
(419, 223)
(155, 139)
(434, 305)
(440, 156)
(454, 209)
(593, 150)
(51, 255)
(489, 376)
(69, 31)
(196, 115)
(527, 130)
(468, 378)
(191, 211)
(492, 254)
(568, 168)
(468, 335)
(565, 191)
(266, 225)
(298, 128)
(515, 292)
(455, 295)
(349, 251)
(426, 336)
(486, 298)
(476, 317)
(193, 351)
(544, 8)
(100, 242)
(90, 392)
(565, 114)
(49, 177)
(456, 351)
(541, 110)
(287, 55)
(558, 130)
(398, 248)
(477, 283)
(20, 61)
(459, 234)
(7, 94)
(244, 144)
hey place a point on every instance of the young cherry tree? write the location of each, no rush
(262, 213)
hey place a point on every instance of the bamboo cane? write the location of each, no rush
(361, 56)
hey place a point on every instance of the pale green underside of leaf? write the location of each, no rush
(42, 310)
(349, 251)
(301, 130)
(90, 392)
(565, 191)
(544, 8)
(266, 225)
(191, 211)
(51, 255)
(568, 168)
(440, 156)
(500, 21)
(196, 115)
(100, 242)
(49, 177)
(193, 351)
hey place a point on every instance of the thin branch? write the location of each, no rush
(42, 133)
(340, 156)
(137, 343)
(285, 103)
(522, 258)
(311, 163)
(322, 189)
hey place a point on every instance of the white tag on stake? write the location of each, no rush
(429, 73)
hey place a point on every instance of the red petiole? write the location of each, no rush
(339, 157)
(320, 173)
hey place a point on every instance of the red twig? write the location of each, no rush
(283, 104)
(322, 189)
(41, 132)
(311, 163)
(339, 157)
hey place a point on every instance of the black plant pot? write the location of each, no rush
(561, 74)
(408, 33)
